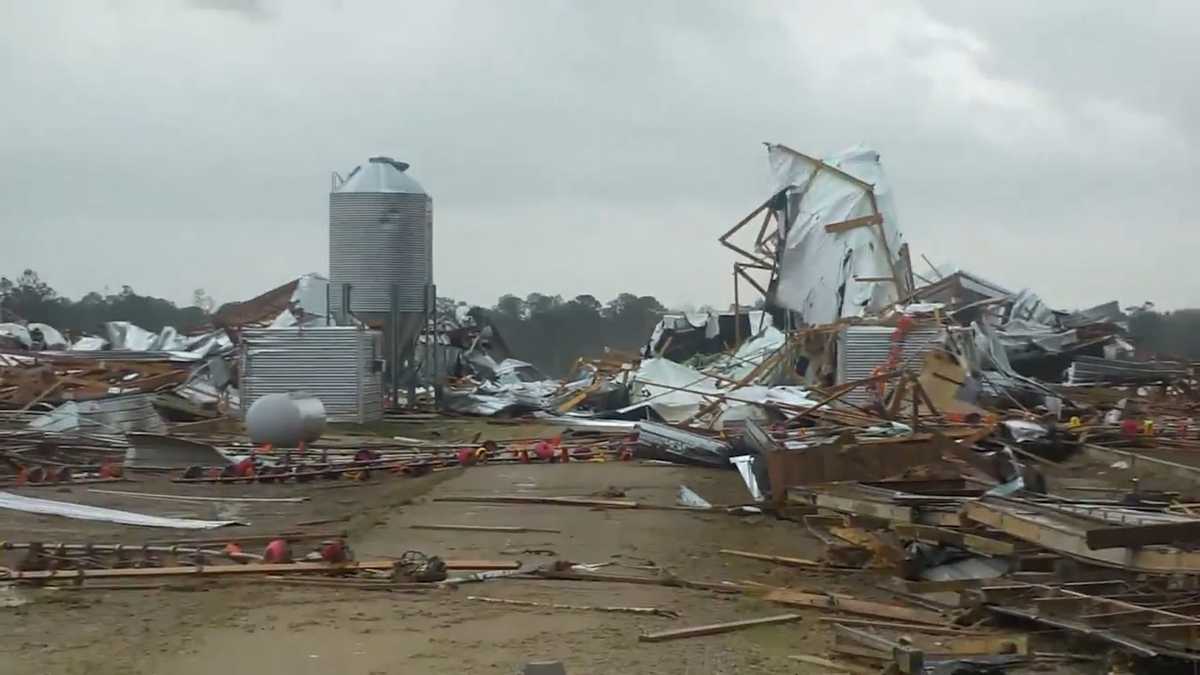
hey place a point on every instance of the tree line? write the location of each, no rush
(27, 298)
(552, 333)
(1172, 335)
(545, 330)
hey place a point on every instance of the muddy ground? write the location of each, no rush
(253, 626)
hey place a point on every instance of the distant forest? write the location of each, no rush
(545, 330)
(552, 333)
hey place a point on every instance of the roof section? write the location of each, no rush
(379, 174)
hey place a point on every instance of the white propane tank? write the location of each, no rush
(286, 420)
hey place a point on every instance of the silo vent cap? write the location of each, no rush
(402, 166)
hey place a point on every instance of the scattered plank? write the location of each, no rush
(833, 666)
(515, 529)
(526, 499)
(781, 560)
(850, 605)
(971, 542)
(192, 498)
(669, 581)
(653, 611)
(716, 628)
(1143, 535)
(253, 568)
(896, 625)
(947, 586)
(1017, 644)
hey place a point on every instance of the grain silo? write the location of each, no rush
(381, 253)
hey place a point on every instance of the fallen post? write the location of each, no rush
(7, 574)
(192, 498)
(850, 605)
(833, 666)
(516, 529)
(561, 501)
(783, 560)
(653, 611)
(717, 628)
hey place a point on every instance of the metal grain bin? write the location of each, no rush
(340, 365)
(380, 236)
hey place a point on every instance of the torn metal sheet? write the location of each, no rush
(115, 414)
(968, 568)
(1093, 370)
(660, 441)
(841, 236)
(51, 338)
(668, 401)
(745, 468)
(170, 452)
(17, 333)
(688, 497)
(749, 356)
(50, 507)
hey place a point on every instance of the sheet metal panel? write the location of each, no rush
(862, 349)
(336, 364)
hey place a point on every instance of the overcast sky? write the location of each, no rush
(595, 147)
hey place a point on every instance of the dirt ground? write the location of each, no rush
(252, 625)
(248, 625)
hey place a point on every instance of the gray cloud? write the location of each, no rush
(251, 9)
(594, 147)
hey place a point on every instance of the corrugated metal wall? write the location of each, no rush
(862, 349)
(376, 240)
(336, 364)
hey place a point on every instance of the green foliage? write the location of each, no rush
(29, 298)
(552, 333)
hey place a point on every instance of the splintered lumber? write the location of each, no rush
(850, 605)
(193, 498)
(653, 611)
(1065, 532)
(516, 529)
(253, 568)
(897, 625)
(526, 499)
(359, 584)
(833, 666)
(966, 540)
(669, 581)
(968, 645)
(1143, 535)
(716, 628)
(780, 559)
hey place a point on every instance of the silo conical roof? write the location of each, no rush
(381, 175)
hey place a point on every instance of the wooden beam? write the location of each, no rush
(253, 568)
(846, 225)
(526, 499)
(781, 560)
(897, 625)
(833, 666)
(853, 606)
(1143, 535)
(483, 528)
(971, 542)
(194, 498)
(863, 507)
(716, 628)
